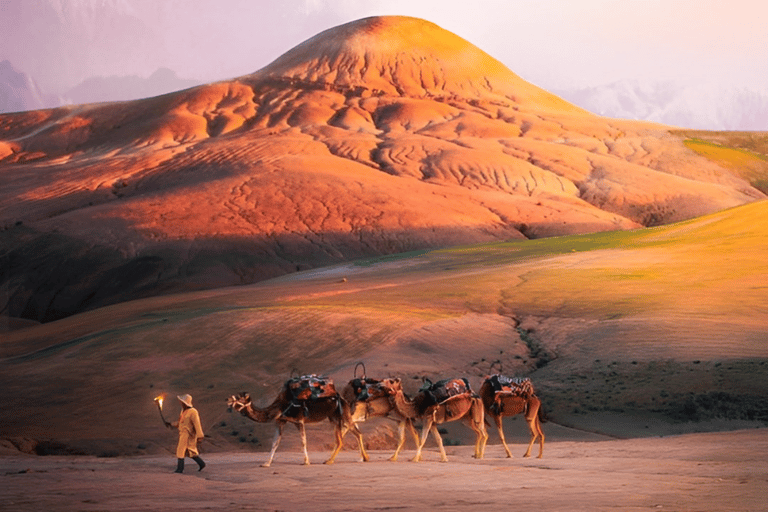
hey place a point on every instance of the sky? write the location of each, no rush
(552, 43)
(555, 44)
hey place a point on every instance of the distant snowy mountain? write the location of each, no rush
(73, 37)
(18, 91)
(706, 107)
(121, 88)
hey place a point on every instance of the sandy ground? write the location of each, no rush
(710, 471)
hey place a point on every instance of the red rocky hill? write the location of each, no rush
(383, 135)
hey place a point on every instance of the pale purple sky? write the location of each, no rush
(552, 43)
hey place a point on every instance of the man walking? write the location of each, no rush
(190, 434)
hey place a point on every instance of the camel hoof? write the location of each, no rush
(265, 465)
(326, 462)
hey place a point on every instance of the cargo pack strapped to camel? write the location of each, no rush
(515, 386)
(504, 386)
(311, 387)
(442, 390)
(365, 388)
(308, 388)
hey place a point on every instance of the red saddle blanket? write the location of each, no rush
(311, 387)
(442, 390)
(515, 386)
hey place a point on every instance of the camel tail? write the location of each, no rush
(542, 416)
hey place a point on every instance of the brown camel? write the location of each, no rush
(368, 400)
(505, 396)
(286, 408)
(433, 410)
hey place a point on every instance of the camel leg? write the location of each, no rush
(275, 444)
(482, 439)
(476, 422)
(541, 437)
(339, 434)
(424, 433)
(481, 426)
(413, 432)
(359, 435)
(533, 437)
(439, 440)
(400, 440)
(497, 419)
(535, 427)
(303, 433)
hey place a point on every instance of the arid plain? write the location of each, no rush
(385, 193)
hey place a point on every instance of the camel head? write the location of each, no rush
(388, 386)
(239, 402)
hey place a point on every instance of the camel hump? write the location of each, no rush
(516, 386)
(311, 387)
(444, 389)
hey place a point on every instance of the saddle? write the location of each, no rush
(311, 387)
(307, 388)
(512, 386)
(442, 390)
(503, 386)
(365, 388)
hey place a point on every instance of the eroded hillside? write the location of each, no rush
(380, 136)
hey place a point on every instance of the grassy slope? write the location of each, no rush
(648, 321)
(744, 153)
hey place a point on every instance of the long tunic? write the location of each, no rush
(190, 431)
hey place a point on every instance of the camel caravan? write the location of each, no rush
(313, 398)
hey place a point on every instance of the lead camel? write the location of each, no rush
(286, 409)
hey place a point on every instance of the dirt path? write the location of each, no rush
(702, 472)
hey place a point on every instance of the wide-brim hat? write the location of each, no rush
(185, 399)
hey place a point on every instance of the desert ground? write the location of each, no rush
(723, 471)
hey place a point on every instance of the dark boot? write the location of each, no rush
(199, 461)
(179, 466)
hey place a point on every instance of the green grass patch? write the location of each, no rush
(744, 153)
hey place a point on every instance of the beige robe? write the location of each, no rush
(190, 431)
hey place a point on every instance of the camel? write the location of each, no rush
(288, 409)
(368, 400)
(464, 405)
(505, 396)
